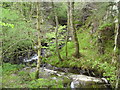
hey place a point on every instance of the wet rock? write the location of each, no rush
(78, 81)
(48, 66)
(54, 78)
(70, 79)
(83, 84)
(86, 78)
(82, 81)
(28, 68)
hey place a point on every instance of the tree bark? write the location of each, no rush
(56, 32)
(117, 47)
(76, 43)
(39, 41)
(68, 29)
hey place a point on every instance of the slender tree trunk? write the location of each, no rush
(77, 53)
(117, 47)
(68, 28)
(56, 32)
(117, 53)
(31, 11)
(39, 41)
(66, 51)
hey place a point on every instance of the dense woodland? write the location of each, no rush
(47, 44)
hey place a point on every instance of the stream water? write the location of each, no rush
(74, 80)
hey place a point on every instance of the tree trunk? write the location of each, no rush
(56, 32)
(117, 47)
(77, 53)
(68, 28)
(39, 41)
(31, 11)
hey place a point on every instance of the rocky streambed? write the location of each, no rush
(71, 80)
(69, 77)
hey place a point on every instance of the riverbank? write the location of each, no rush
(20, 76)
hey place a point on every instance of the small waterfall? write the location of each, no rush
(72, 85)
(35, 57)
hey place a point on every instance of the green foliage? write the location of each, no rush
(90, 58)
(70, 49)
(6, 24)
(9, 68)
(32, 75)
(11, 81)
(22, 73)
(61, 28)
(50, 35)
(102, 27)
(14, 77)
(45, 83)
(101, 10)
(9, 15)
(19, 35)
(16, 39)
(9, 76)
(61, 10)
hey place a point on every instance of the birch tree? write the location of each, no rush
(39, 41)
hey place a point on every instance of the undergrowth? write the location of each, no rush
(90, 59)
(14, 77)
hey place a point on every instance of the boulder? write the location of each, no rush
(73, 80)
(83, 81)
